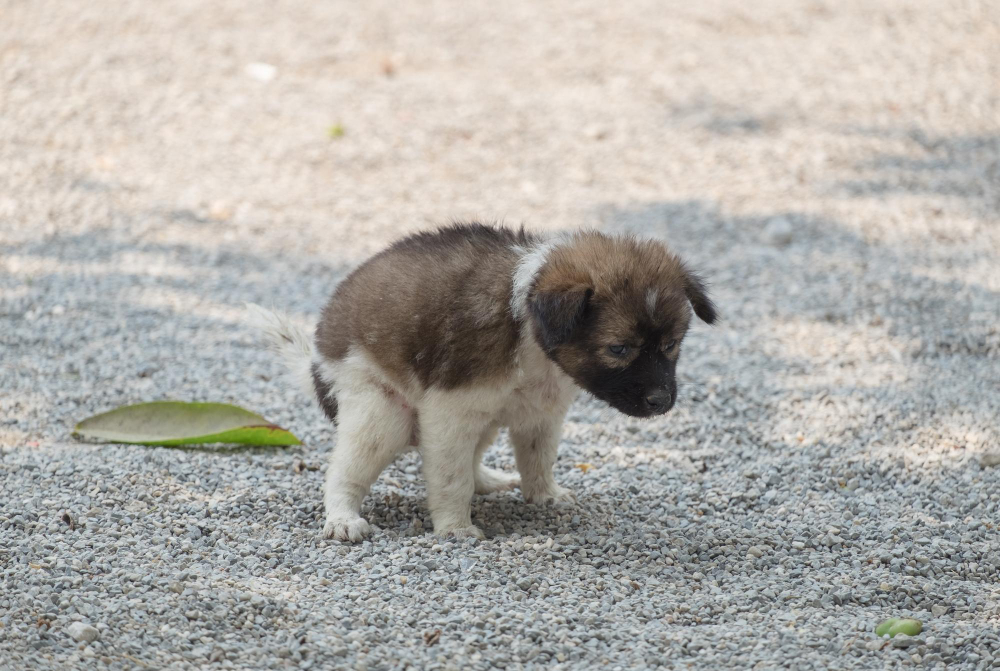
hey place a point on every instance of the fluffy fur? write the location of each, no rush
(445, 337)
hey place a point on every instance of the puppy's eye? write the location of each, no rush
(618, 350)
(670, 345)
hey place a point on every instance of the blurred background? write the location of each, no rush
(831, 166)
(834, 168)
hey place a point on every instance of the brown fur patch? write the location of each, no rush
(434, 305)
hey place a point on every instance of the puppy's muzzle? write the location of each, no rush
(659, 401)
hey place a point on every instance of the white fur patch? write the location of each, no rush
(288, 340)
(651, 298)
(527, 269)
(455, 428)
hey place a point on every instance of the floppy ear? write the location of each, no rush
(694, 289)
(558, 313)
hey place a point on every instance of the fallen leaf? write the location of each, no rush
(432, 637)
(585, 467)
(172, 423)
(335, 131)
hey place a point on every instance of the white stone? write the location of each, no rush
(83, 632)
(262, 72)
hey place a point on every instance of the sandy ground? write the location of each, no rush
(833, 168)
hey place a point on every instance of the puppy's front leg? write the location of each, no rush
(448, 447)
(535, 454)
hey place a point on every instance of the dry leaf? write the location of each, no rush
(178, 423)
(432, 637)
(585, 467)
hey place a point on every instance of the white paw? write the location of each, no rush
(346, 528)
(491, 480)
(550, 494)
(471, 531)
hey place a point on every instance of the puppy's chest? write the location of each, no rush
(539, 391)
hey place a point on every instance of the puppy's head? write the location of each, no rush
(612, 312)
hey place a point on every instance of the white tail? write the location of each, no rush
(288, 340)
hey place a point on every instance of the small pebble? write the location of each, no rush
(83, 632)
(778, 232)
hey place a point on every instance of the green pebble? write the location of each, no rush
(895, 625)
(884, 628)
(907, 626)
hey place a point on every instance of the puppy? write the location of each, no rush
(444, 337)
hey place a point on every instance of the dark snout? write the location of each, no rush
(646, 388)
(659, 400)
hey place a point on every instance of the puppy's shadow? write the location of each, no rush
(507, 513)
(499, 515)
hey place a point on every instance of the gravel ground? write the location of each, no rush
(834, 167)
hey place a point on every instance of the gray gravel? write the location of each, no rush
(834, 167)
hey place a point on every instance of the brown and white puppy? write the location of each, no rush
(445, 337)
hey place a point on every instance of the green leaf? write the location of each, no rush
(179, 423)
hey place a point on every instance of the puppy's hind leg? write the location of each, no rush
(491, 479)
(374, 428)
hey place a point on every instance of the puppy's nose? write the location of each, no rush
(658, 400)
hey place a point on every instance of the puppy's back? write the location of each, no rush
(434, 305)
